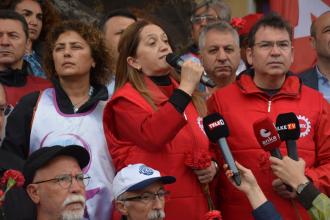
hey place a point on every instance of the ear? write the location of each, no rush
(120, 206)
(33, 192)
(292, 55)
(249, 55)
(200, 56)
(134, 63)
(93, 64)
(28, 46)
(313, 42)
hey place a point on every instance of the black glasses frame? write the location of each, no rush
(59, 178)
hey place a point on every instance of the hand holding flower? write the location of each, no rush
(206, 175)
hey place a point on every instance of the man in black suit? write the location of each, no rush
(318, 77)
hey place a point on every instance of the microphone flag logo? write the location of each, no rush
(264, 133)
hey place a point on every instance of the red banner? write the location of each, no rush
(300, 13)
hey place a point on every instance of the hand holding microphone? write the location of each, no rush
(289, 171)
(269, 140)
(216, 129)
(177, 63)
(190, 75)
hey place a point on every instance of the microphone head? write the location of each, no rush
(266, 134)
(287, 125)
(172, 59)
(215, 127)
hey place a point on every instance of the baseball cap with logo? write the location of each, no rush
(136, 177)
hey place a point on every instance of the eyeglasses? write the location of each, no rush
(5, 109)
(148, 197)
(65, 181)
(283, 45)
(204, 18)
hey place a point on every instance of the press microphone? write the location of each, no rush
(267, 136)
(288, 128)
(216, 130)
(176, 62)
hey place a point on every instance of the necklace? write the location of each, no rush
(77, 105)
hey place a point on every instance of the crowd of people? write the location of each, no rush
(103, 127)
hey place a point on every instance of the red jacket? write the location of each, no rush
(159, 139)
(33, 83)
(241, 104)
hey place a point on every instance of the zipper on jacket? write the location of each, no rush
(269, 105)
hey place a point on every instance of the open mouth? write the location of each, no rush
(162, 57)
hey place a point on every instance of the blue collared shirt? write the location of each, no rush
(324, 85)
(34, 64)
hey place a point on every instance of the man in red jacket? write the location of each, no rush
(268, 90)
(14, 76)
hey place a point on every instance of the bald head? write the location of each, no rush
(320, 38)
(318, 22)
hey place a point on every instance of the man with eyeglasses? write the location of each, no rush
(139, 192)
(55, 181)
(205, 12)
(267, 90)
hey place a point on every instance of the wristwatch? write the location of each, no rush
(216, 166)
(301, 187)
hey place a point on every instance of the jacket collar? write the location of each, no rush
(100, 93)
(157, 95)
(291, 87)
(14, 77)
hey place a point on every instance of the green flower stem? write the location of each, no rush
(11, 182)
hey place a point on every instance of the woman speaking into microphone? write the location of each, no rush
(154, 117)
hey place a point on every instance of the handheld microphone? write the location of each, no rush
(216, 130)
(176, 62)
(288, 128)
(267, 136)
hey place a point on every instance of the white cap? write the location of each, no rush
(136, 177)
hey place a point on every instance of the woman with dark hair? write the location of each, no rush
(41, 16)
(154, 117)
(71, 112)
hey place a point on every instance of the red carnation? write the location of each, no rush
(12, 178)
(238, 23)
(214, 214)
(2, 198)
(198, 160)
